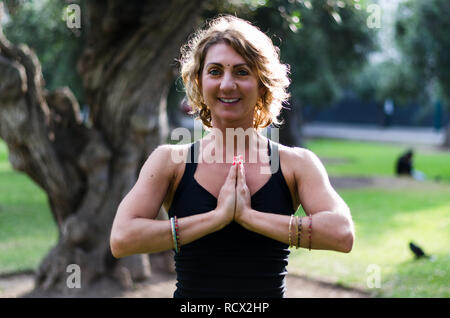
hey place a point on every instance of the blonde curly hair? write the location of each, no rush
(257, 50)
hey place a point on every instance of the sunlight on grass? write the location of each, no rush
(385, 222)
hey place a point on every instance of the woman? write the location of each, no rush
(231, 224)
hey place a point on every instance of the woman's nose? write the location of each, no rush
(228, 83)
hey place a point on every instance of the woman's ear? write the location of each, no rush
(262, 91)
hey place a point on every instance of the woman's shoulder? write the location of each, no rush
(169, 157)
(298, 159)
(295, 153)
(172, 151)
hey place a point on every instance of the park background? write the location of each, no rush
(370, 79)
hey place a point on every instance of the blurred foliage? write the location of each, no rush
(388, 79)
(421, 71)
(324, 49)
(422, 34)
(41, 26)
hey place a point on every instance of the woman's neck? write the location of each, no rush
(222, 145)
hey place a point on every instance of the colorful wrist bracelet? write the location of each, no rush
(177, 234)
(174, 239)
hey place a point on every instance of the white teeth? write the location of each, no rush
(229, 100)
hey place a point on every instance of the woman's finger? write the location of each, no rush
(241, 174)
(232, 174)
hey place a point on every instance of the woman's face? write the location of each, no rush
(229, 87)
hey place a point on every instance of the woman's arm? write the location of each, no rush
(332, 226)
(135, 229)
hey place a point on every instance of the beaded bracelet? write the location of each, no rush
(290, 226)
(296, 231)
(177, 234)
(299, 231)
(172, 228)
(174, 234)
(310, 230)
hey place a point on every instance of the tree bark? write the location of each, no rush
(291, 130)
(127, 67)
(447, 135)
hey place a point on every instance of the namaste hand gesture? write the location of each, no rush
(243, 199)
(234, 197)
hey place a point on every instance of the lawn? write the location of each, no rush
(377, 159)
(27, 230)
(386, 220)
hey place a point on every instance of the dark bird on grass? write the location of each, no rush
(418, 252)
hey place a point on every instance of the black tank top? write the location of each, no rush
(231, 262)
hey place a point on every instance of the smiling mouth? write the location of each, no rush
(229, 100)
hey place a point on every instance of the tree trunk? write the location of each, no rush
(447, 135)
(291, 130)
(127, 68)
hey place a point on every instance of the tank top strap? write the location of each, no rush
(192, 159)
(274, 156)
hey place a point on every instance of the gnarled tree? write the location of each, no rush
(127, 68)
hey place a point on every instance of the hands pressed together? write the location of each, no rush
(234, 200)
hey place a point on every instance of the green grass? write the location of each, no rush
(376, 159)
(386, 220)
(27, 230)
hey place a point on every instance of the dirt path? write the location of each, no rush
(162, 285)
(384, 183)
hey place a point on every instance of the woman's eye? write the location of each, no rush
(243, 72)
(214, 72)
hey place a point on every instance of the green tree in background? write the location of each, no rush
(422, 34)
(126, 67)
(419, 71)
(40, 24)
(325, 42)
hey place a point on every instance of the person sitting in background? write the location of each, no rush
(405, 166)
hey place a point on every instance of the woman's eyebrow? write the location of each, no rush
(234, 66)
